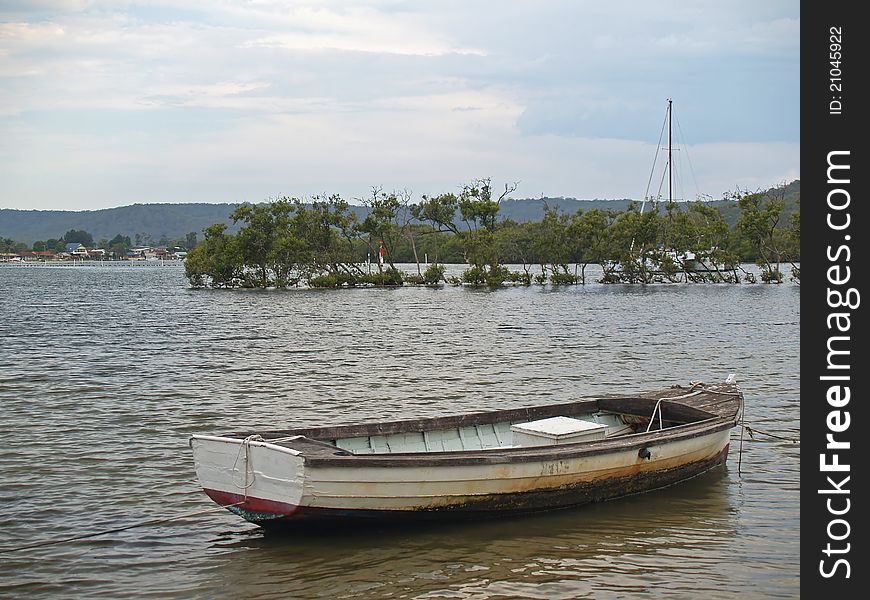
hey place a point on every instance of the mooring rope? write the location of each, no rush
(693, 385)
(117, 529)
(246, 446)
(751, 430)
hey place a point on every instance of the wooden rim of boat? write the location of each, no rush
(690, 411)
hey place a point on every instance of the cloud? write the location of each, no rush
(224, 100)
(358, 29)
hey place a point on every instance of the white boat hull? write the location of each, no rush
(265, 482)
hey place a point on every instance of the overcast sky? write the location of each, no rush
(110, 103)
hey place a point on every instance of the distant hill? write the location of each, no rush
(155, 220)
(175, 221)
(532, 209)
(791, 195)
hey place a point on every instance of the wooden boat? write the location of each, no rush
(503, 461)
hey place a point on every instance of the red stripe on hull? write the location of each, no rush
(262, 508)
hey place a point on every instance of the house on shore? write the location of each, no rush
(76, 250)
(36, 255)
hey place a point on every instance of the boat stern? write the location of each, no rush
(257, 480)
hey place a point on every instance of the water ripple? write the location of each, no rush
(104, 373)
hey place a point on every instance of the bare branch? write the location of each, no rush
(509, 188)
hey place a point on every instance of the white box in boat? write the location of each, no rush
(555, 431)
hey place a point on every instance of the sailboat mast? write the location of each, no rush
(670, 157)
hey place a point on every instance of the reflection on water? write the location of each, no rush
(625, 547)
(104, 373)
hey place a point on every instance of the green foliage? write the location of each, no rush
(479, 212)
(120, 240)
(118, 245)
(217, 262)
(591, 232)
(79, 236)
(332, 280)
(285, 242)
(265, 242)
(474, 276)
(438, 211)
(553, 243)
(324, 244)
(174, 222)
(794, 227)
(434, 274)
(524, 278)
(759, 217)
(380, 225)
(391, 277)
(562, 278)
(10, 246)
(610, 276)
(497, 276)
(771, 275)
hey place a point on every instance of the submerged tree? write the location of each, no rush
(635, 254)
(553, 245)
(591, 236)
(479, 211)
(322, 243)
(379, 226)
(216, 261)
(440, 213)
(699, 237)
(759, 218)
(327, 229)
(256, 240)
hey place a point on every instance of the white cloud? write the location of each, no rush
(223, 100)
(358, 29)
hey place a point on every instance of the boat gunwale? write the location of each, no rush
(317, 455)
(316, 451)
(332, 432)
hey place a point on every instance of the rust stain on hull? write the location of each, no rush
(627, 482)
(442, 488)
(585, 488)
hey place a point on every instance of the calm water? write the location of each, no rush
(105, 372)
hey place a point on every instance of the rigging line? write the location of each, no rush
(117, 529)
(680, 183)
(655, 160)
(662, 182)
(689, 159)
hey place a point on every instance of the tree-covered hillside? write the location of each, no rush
(175, 221)
(147, 220)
